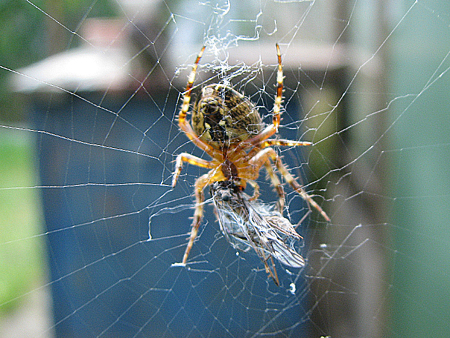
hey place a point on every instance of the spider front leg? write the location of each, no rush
(187, 94)
(183, 123)
(261, 138)
(279, 96)
(284, 143)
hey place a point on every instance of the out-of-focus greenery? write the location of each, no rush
(21, 254)
(32, 30)
(22, 43)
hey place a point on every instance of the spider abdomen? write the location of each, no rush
(223, 117)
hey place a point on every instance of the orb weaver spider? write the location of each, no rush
(228, 127)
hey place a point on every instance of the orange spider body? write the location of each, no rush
(228, 127)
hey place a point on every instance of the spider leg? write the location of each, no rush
(271, 272)
(187, 94)
(269, 169)
(279, 96)
(273, 128)
(255, 187)
(261, 252)
(191, 159)
(277, 185)
(256, 162)
(269, 153)
(200, 184)
(284, 143)
(298, 188)
(274, 142)
(182, 121)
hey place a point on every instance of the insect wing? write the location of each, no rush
(286, 255)
(250, 224)
(233, 215)
(237, 223)
(277, 231)
(286, 238)
(233, 226)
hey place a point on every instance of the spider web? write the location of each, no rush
(365, 82)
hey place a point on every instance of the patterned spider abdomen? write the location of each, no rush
(223, 117)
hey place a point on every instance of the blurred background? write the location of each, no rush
(89, 91)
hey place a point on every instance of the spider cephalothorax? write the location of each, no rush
(228, 127)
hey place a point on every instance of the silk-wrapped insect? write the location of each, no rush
(248, 224)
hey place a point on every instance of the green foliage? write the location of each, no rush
(21, 254)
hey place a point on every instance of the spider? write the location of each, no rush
(228, 127)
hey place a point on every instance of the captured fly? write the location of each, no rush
(250, 224)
